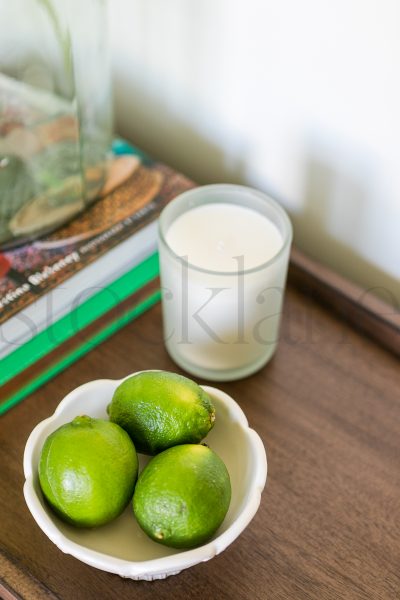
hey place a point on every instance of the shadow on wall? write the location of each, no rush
(330, 197)
(163, 134)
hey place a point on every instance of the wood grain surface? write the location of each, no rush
(328, 528)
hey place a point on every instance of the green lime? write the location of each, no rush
(182, 496)
(87, 471)
(160, 409)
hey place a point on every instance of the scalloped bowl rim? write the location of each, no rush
(157, 567)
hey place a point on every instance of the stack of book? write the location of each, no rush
(65, 293)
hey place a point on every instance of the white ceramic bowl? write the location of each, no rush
(121, 547)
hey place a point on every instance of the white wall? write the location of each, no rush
(297, 97)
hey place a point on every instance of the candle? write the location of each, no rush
(212, 235)
(223, 260)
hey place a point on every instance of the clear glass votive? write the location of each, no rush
(224, 252)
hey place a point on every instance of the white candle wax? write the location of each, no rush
(222, 288)
(212, 235)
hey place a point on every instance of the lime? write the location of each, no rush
(160, 409)
(182, 496)
(87, 471)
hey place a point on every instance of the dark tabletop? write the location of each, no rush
(328, 410)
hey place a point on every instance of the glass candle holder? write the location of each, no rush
(224, 252)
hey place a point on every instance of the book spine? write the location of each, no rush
(70, 325)
(72, 356)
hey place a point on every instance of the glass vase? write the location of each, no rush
(55, 113)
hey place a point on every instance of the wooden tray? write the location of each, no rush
(328, 410)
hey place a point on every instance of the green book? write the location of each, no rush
(62, 295)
